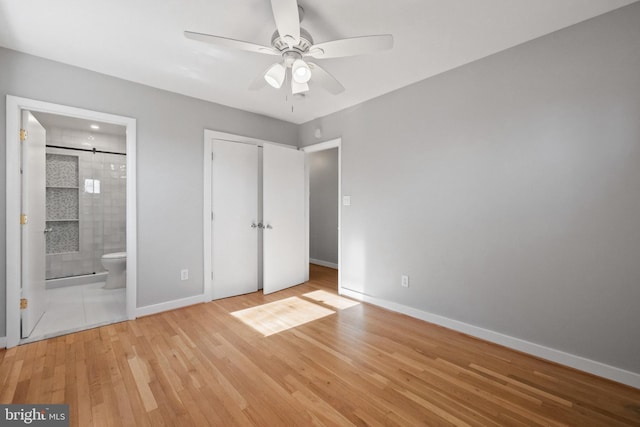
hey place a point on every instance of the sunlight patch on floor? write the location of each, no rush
(278, 316)
(333, 300)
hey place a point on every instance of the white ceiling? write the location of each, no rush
(143, 41)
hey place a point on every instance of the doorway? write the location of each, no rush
(70, 243)
(324, 207)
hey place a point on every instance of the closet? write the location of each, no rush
(258, 228)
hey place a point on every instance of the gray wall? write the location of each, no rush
(169, 163)
(509, 191)
(323, 205)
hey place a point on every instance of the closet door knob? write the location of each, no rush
(254, 225)
(269, 227)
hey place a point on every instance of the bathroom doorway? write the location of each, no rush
(88, 224)
(85, 221)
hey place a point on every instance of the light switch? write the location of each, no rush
(346, 200)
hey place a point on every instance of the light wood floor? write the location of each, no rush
(359, 365)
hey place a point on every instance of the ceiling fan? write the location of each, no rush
(294, 44)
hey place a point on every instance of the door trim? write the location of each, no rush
(321, 146)
(209, 135)
(13, 256)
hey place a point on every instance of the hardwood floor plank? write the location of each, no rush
(141, 375)
(354, 364)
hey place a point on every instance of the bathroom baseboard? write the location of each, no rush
(577, 362)
(169, 305)
(324, 263)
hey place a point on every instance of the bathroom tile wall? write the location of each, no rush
(62, 170)
(62, 204)
(66, 203)
(102, 204)
(86, 140)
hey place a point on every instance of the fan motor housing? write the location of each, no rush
(303, 46)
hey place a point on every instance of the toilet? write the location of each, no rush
(116, 266)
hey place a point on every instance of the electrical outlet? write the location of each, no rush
(346, 200)
(184, 274)
(404, 281)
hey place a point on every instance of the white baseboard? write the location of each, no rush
(323, 263)
(591, 366)
(169, 305)
(3, 342)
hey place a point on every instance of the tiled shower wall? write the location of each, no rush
(101, 202)
(62, 203)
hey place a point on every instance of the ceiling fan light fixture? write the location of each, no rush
(301, 71)
(297, 88)
(292, 43)
(275, 75)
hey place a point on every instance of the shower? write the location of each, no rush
(86, 205)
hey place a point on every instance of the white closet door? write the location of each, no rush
(33, 232)
(283, 214)
(235, 218)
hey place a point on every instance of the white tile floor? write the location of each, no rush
(74, 308)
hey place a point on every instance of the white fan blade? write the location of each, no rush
(258, 83)
(351, 47)
(231, 43)
(285, 13)
(320, 76)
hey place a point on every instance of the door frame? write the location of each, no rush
(321, 146)
(209, 135)
(14, 106)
